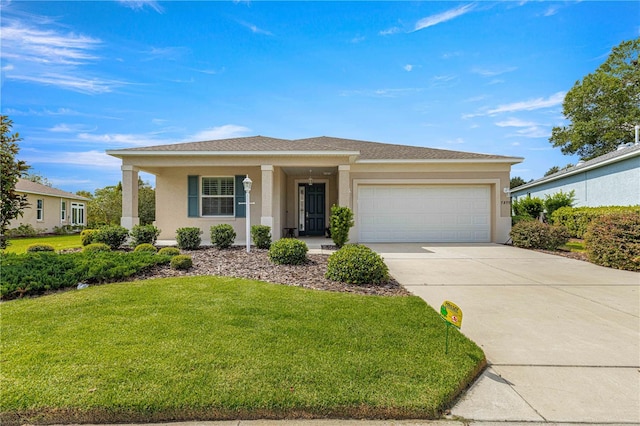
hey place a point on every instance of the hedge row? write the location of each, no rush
(613, 240)
(577, 219)
(36, 273)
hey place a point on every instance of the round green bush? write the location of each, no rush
(39, 247)
(181, 262)
(614, 241)
(169, 251)
(533, 234)
(189, 238)
(96, 247)
(223, 235)
(288, 251)
(261, 235)
(87, 236)
(112, 235)
(357, 264)
(146, 248)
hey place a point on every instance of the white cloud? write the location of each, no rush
(390, 31)
(515, 122)
(530, 105)
(408, 67)
(492, 72)
(91, 158)
(69, 128)
(552, 10)
(120, 140)
(50, 57)
(358, 39)
(254, 29)
(221, 132)
(456, 141)
(439, 18)
(382, 93)
(532, 132)
(141, 4)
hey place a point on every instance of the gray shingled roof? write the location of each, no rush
(366, 150)
(593, 163)
(29, 187)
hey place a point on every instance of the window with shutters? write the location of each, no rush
(217, 196)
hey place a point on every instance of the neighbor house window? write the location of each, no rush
(77, 213)
(40, 210)
(63, 211)
(217, 196)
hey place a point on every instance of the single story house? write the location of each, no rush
(398, 193)
(612, 179)
(49, 207)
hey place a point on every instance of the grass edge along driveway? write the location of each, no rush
(211, 348)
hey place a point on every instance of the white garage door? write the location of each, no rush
(424, 213)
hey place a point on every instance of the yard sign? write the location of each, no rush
(452, 315)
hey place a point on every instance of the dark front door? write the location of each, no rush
(314, 205)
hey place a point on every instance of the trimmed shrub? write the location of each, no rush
(35, 247)
(96, 247)
(577, 219)
(141, 234)
(87, 236)
(188, 238)
(357, 264)
(223, 235)
(528, 206)
(149, 248)
(261, 235)
(169, 251)
(518, 219)
(112, 235)
(614, 240)
(533, 234)
(288, 251)
(181, 262)
(340, 222)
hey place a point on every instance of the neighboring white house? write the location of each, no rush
(397, 192)
(49, 207)
(612, 179)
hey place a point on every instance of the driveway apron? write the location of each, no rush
(562, 336)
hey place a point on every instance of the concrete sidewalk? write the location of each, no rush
(562, 336)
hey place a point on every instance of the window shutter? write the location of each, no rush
(241, 209)
(193, 196)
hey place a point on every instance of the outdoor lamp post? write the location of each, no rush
(247, 189)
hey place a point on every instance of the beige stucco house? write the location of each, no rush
(397, 193)
(49, 207)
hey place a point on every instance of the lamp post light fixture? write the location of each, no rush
(247, 189)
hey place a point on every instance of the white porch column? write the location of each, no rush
(267, 196)
(129, 197)
(344, 186)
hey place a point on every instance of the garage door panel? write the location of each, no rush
(424, 213)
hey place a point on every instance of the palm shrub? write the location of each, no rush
(188, 238)
(261, 235)
(533, 234)
(288, 251)
(340, 222)
(357, 264)
(223, 235)
(141, 234)
(112, 235)
(614, 240)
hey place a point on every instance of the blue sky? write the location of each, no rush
(82, 77)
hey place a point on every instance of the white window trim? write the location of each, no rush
(40, 210)
(78, 206)
(63, 210)
(233, 196)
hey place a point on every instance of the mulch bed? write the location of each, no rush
(236, 262)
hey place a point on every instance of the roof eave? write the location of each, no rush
(510, 160)
(126, 153)
(69, 196)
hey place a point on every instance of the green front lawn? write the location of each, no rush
(212, 348)
(59, 242)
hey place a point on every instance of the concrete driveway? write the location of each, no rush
(562, 336)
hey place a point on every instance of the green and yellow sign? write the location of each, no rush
(451, 313)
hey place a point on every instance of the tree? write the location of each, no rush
(13, 203)
(556, 169)
(604, 107)
(516, 181)
(146, 203)
(105, 205)
(38, 178)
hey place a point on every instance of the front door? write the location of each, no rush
(313, 209)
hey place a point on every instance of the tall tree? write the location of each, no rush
(146, 203)
(604, 107)
(13, 203)
(516, 181)
(38, 178)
